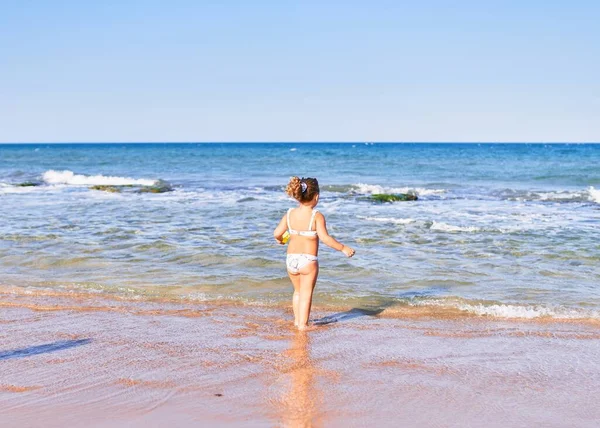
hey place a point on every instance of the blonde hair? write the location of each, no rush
(302, 189)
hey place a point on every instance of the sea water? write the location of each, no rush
(498, 230)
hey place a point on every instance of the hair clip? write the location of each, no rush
(304, 186)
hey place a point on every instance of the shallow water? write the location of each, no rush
(507, 231)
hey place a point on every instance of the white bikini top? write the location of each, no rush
(308, 232)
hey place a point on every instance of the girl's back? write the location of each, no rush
(302, 224)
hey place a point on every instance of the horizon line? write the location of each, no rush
(298, 142)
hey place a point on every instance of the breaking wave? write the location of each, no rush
(510, 311)
(585, 195)
(70, 178)
(444, 227)
(388, 219)
(594, 195)
(375, 189)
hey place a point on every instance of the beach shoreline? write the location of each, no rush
(155, 363)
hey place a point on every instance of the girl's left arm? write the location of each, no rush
(280, 229)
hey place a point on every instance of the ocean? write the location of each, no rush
(499, 230)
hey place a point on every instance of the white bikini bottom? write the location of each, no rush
(295, 262)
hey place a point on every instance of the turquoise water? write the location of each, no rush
(506, 230)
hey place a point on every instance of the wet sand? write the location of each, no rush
(92, 362)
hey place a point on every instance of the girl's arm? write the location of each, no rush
(328, 239)
(280, 229)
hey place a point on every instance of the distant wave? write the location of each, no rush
(388, 219)
(444, 227)
(6, 188)
(585, 195)
(69, 177)
(594, 195)
(375, 188)
(436, 226)
(369, 189)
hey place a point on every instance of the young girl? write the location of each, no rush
(306, 227)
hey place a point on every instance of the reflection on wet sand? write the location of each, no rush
(302, 397)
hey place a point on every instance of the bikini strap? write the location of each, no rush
(312, 217)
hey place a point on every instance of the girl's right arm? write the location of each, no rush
(280, 229)
(328, 239)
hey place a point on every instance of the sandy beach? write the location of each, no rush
(81, 360)
(435, 165)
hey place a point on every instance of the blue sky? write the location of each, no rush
(185, 70)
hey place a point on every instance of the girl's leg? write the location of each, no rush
(295, 278)
(308, 279)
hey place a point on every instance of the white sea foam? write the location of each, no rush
(444, 227)
(195, 297)
(6, 188)
(388, 219)
(562, 196)
(203, 196)
(589, 194)
(422, 191)
(527, 312)
(594, 195)
(375, 189)
(69, 177)
(369, 188)
(508, 311)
